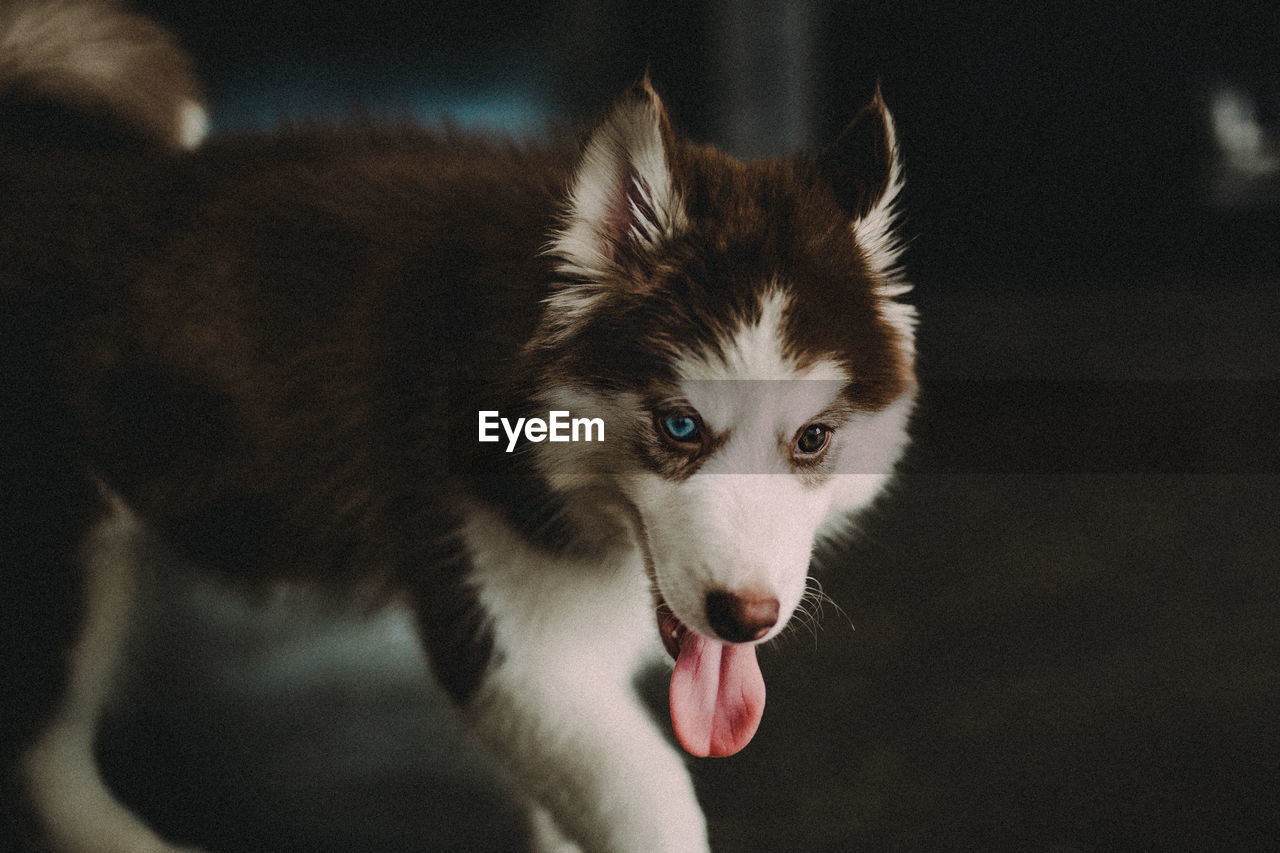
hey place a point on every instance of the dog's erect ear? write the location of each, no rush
(622, 203)
(863, 170)
(862, 164)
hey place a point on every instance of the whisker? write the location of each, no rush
(815, 592)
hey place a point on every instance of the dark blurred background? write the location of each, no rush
(1062, 631)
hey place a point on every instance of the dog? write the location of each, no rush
(573, 403)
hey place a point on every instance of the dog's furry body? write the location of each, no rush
(271, 351)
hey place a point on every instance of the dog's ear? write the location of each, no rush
(864, 172)
(623, 203)
(862, 164)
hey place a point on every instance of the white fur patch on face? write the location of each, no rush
(745, 519)
(748, 518)
(752, 386)
(729, 532)
(757, 351)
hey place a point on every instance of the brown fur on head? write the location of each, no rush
(667, 244)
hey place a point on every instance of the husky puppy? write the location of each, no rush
(572, 404)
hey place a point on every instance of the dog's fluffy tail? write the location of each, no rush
(87, 69)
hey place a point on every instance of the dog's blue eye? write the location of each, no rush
(680, 427)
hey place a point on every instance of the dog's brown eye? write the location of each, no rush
(813, 440)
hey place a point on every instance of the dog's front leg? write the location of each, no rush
(586, 750)
(551, 647)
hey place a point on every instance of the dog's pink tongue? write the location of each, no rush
(717, 696)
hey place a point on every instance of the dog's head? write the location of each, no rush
(736, 325)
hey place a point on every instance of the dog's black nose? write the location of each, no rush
(741, 617)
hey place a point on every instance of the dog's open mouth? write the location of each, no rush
(717, 691)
